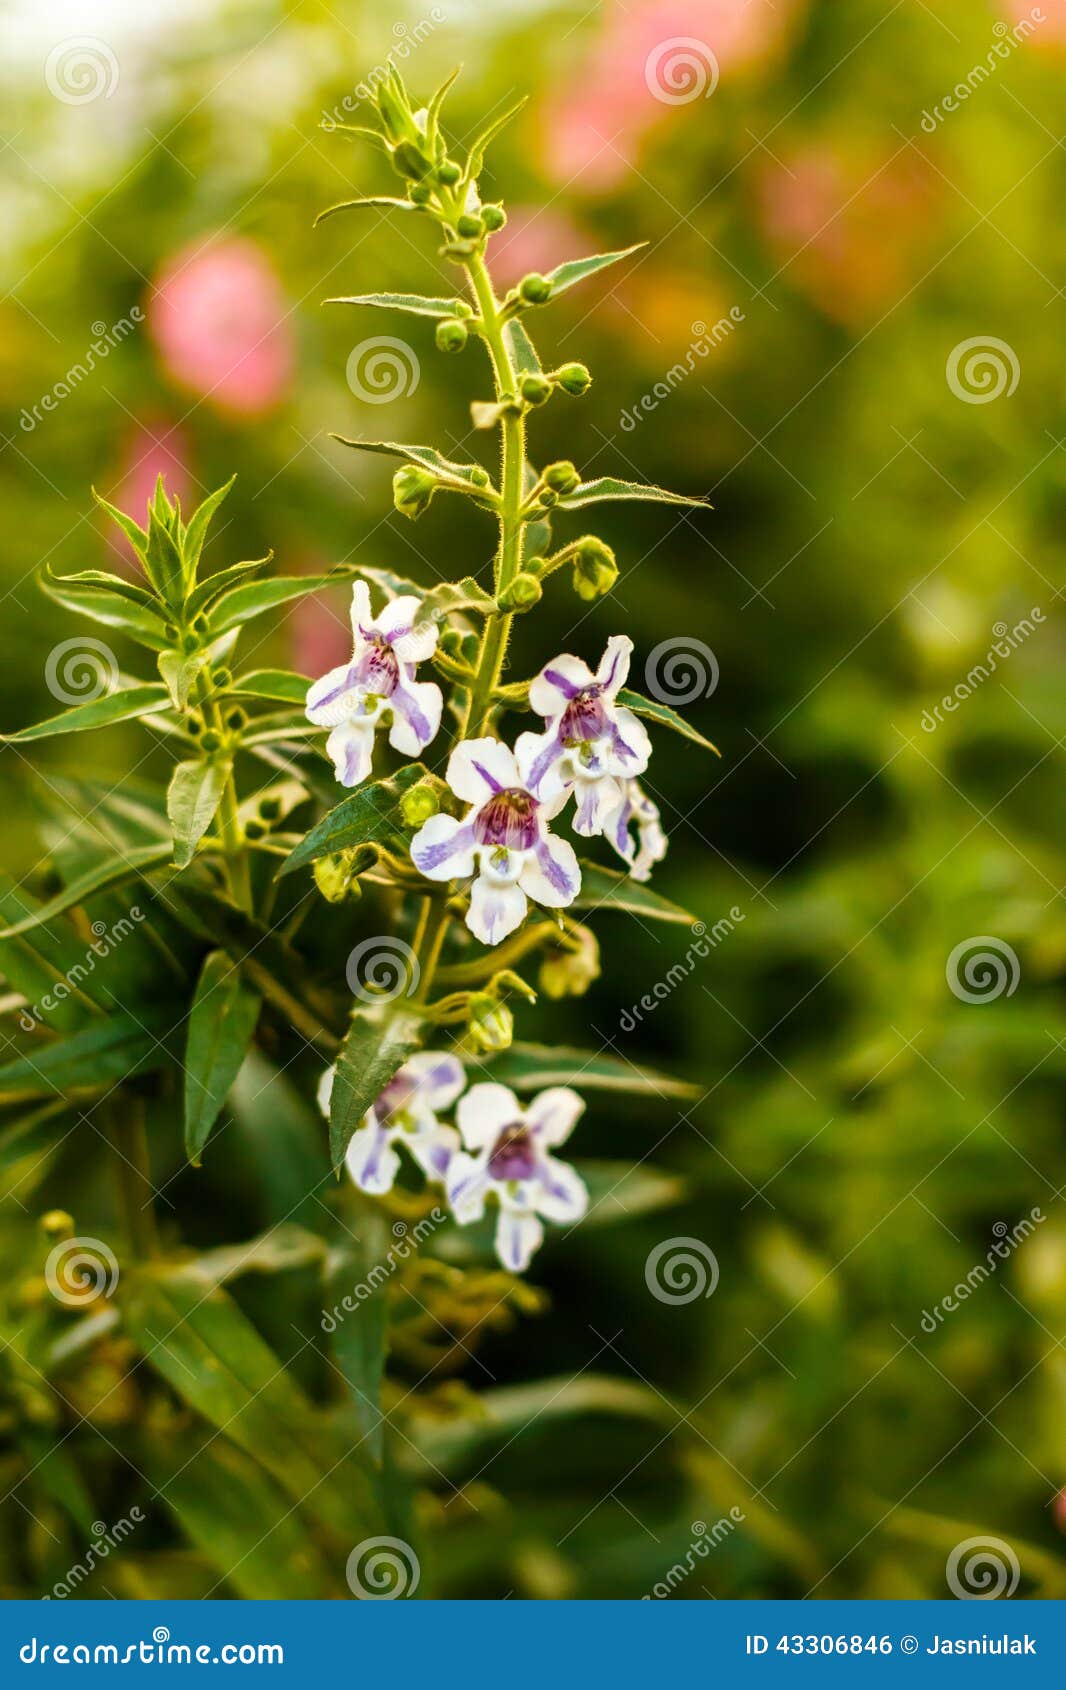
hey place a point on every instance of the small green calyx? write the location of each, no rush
(470, 226)
(561, 477)
(419, 803)
(491, 1024)
(412, 489)
(451, 335)
(535, 390)
(534, 289)
(574, 379)
(493, 217)
(211, 741)
(595, 569)
(448, 173)
(523, 592)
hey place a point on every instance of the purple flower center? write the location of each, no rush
(513, 1155)
(584, 717)
(509, 818)
(396, 1097)
(379, 667)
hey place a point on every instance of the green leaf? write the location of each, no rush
(97, 1056)
(241, 604)
(280, 686)
(193, 796)
(576, 269)
(486, 413)
(456, 595)
(427, 456)
(108, 873)
(532, 1067)
(622, 1191)
(476, 156)
(276, 1251)
(196, 533)
(384, 201)
(667, 718)
(605, 887)
(180, 672)
(523, 352)
(220, 582)
(359, 1332)
(378, 1042)
(371, 814)
(111, 606)
(162, 562)
(392, 585)
(436, 101)
(607, 488)
(135, 534)
(222, 1023)
(416, 303)
(503, 1412)
(100, 713)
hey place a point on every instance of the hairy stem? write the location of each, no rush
(238, 878)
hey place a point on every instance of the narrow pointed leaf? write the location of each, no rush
(605, 888)
(436, 101)
(220, 582)
(162, 562)
(196, 533)
(135, 534)
(476, 155)
(378, 1042)
(607, 488)
(241, 604)
(370, 815)
(667, 718)
(113, 707)
(222, 1022)
(359, 1333)
(112, 607)
(456, 595)
(281, 686)
(531, 1067)
(415, 303)
(576, 269)
(179, 672)
(427, 456)
(98, 1055)
(381, 201)
(523, 352)
(109, 873)
(193, 797)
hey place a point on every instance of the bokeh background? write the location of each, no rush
(861, 1134)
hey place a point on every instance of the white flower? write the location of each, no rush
(405, 1113)
(353, 699)
(511, 1158)
(593, 744)
(503, 839)
(634, 806)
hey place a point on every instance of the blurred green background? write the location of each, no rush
(862, 1131)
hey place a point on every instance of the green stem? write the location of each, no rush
(133, 1174)
(429, 942)
(237, 876)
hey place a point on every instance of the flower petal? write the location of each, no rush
(467, 1186)
(630, 745)
(596, 801)
(554, 1113)
(398, 617)
(324, 1090)
(538, 757)
(362, 618)
(551, 874)
(518, 1235)
(444, 849)
(438, 1077)
(416, 707)
(419, 644)
(497, 907)
(614, 665)
(433, 1150)
(480, 767)
(562, 1194)
(371, 1160)
(483, 1113)
(551, 691)
(351, 746)
(327, 698)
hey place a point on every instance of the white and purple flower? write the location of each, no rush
(503, 840)
(353, 699)
(634, 807)
(512, 1158)
(405, 1113)
(592, 744)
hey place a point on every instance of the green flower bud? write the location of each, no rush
(254, 829)
(535, 289)
(409, 161)
(470, 226)
(334, 879)
(201, 624)
(221, 679)
(566, 973)
(448, 173)
(535, 390)
(546, 498)
(189, 644)
(451, 335)
(418, 803)
(523, 592)
(595, 570)
(493, 217)
(480, 477)
(270, 809)
(491, 1025)
(194, 725)
(412, 489)
(171, 630)
(57, 1224)
(561, 477)
(462, 308)
(573, 378)
(211, 741)
(236, 720)
(419, 193)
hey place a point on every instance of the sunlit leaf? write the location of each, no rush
(608, 487)
(415, 303)
(576, 269)
(378, 1042)
(605, 888)
(241, 604)
(667, 718)
(193, 797)
(381, 201)
(120, 706)
(109, 873)
(532, 1067)
(370, 815)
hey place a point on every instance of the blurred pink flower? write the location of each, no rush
(1050, 32)
(218, 318)
(154, 447)
(649, 58)
(536, 238)
(848, 231)
(317, 628)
